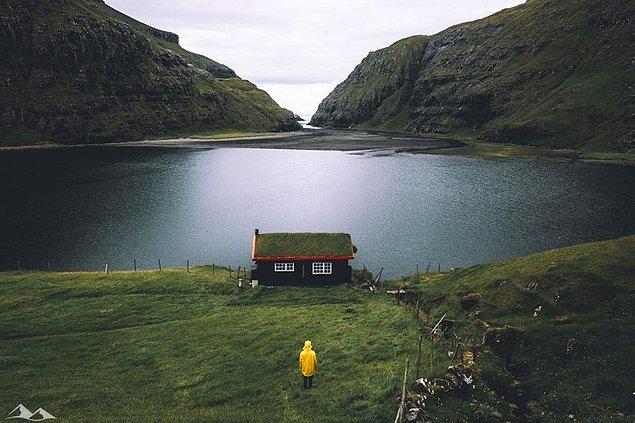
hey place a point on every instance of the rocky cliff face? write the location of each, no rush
(78, 71)
(548, 72)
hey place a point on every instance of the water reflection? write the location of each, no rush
(87, 207)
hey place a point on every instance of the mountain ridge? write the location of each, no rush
(78, 71)
(545, 73)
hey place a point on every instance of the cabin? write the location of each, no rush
(301, 259)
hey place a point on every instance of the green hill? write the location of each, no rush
(573, 311)
(549, 73)
(174, 345)
(78, 71)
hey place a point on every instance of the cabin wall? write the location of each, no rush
(302, 275)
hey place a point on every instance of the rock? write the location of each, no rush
(447, 325)
(470, 301)
(481, 324)
(504, 341)
(562, 320)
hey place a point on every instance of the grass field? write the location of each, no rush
(210, 134)
(177, 345)
(174, 345)
(575, 354)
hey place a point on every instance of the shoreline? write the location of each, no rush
(346, 140)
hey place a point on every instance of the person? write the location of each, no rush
(308, 364)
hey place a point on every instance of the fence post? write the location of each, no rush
(439, 269)
(134, 263)
(419, 352)
(159, 263)
(187, 263)
(402, 403)
(106, 270)
(19, 268)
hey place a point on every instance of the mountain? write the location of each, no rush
(548, 72)
(78, 71)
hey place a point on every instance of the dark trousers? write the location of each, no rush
(307, 382)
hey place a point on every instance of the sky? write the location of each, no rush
(298, 50)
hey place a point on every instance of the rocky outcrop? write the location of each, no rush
(78, 71)
(548, 73)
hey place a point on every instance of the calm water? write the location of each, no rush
(83, 208)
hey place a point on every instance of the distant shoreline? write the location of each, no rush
(358, 141)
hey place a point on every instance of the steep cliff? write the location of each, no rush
(548, 72)
(78, 71)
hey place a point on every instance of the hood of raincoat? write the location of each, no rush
(307, 346)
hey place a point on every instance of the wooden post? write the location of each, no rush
(417, 271)
(213, 268)
(419, 353)
(106, 270)
(402, 403)
(437, 325)
(19, 268)
(187, 264)
(159, 263)
(439, 269)
(134, 263)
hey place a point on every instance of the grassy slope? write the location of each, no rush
(546, 73)
(592, 284)
(173, 345)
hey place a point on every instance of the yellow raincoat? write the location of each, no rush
(308, 360)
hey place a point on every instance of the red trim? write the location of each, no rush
(303, 258)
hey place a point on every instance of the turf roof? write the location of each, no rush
(303, 244)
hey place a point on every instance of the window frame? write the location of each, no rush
(322, 268)
(284, 267)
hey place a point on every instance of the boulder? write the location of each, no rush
(470, 301)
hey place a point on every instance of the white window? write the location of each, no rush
(322, 268)
(284, 267)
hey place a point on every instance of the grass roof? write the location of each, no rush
(303, 244)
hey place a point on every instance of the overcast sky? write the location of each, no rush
(298, 50)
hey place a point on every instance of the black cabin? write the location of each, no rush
(301, 258)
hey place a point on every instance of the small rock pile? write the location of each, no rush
(458, 380)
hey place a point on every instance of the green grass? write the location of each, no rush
(187, 346)
(173, 345)
(589, 284)
(303, 244)
(209, 134)
(481, 149)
